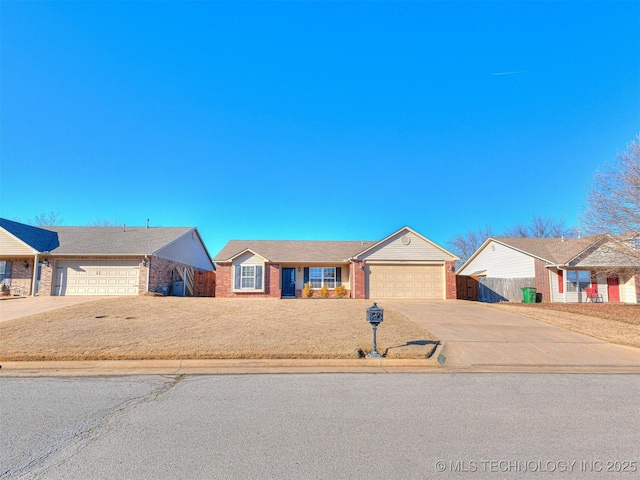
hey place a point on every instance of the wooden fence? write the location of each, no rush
(204, 284)
(493, 290)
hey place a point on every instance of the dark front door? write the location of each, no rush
(288, 282)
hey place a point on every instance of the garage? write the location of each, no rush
(405, 281)
(97, 277)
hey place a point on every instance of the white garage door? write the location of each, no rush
(406, 281)
(95, 277)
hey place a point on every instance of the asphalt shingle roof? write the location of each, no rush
(554, 250)
(294, 251)
(40, 239)
(114, 240)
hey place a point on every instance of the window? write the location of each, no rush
(578, 280)
(248, 277)
(636, 243)
(5, 273)
(321, 276)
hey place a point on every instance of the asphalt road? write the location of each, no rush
(322, 426)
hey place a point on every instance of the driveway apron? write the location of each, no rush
(477, 335)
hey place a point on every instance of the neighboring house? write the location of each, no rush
(102, 260)
(403, 265)
(561, 270)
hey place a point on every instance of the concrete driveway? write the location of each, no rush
(25, 306)
(477, 335)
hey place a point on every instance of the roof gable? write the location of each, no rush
(407, 239)
(292, 251)
(38, 239)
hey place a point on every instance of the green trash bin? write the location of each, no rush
(528, 294)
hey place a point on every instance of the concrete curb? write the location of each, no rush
(215, 366)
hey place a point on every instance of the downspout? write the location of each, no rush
(564, 286)
(34, 280)
(148, 270)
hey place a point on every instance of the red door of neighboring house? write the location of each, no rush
(613, 288)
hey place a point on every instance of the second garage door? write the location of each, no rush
(405, 281)
(97, 277)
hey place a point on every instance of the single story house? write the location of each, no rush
(102, 260)
(566, 270)
(403, 265)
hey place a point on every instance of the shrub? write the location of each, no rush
(307, 291)
(341, 291)
(324, 292)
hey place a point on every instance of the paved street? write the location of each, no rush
(321, 426)
(477, 335)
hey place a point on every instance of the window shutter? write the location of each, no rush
(258, 277)
(238, 278)
(560, 282)
(594, 281)
(338, 276)
(306, 275)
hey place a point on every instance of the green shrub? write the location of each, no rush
(341, 291)
(324, 292)
(307, 291)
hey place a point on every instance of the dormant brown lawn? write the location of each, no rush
(615, 323)
(181, 328)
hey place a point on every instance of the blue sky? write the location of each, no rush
(312, 120)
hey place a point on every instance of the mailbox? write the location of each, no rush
(375, 316)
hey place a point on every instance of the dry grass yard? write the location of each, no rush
(615, 323)
(188, 328)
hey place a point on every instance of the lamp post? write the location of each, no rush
(375, 316)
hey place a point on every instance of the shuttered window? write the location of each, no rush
(248, 277)
(321, 276)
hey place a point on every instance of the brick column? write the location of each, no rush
(357, 279)
(450, 282)
(542, 283)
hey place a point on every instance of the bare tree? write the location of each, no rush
(104, 223)
(613, 203)
(541, 227)
(463, 245)
(47, 219)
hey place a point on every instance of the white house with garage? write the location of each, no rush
(598, 269)
(122, 260)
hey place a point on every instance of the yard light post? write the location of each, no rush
(375, 315)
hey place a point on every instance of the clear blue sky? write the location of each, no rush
(313, 120)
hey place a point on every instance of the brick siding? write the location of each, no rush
(224, 282)
(162, 273)
(21, 277)
(450, 281)
(542, 283)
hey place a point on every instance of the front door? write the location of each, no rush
(288, 282)
(613, 288)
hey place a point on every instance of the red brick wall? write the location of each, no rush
(162, 272)
(356, 278)
(224, 282)
(542, 283)
(46, 279)
(450, 280)
(21, 277)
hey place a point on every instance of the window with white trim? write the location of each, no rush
(248, 277)
(321, 276)
(578, 280)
